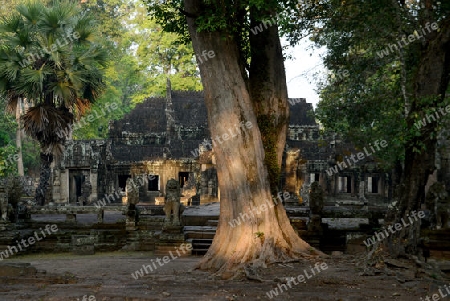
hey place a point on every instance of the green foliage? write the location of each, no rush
(50, 56)
(142, 57)
(369, 103)
(161, 55)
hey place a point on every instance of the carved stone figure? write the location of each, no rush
(316, 198)
(437, 201)
(172, 202)
(315, 206)
(86, 190)
(132, 192)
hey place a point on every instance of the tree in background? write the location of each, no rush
(142, 56)
(51, 57)
(397, 55)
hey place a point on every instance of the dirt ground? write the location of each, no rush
(107, 276)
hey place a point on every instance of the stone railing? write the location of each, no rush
(72, 211)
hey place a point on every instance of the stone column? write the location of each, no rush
(362, 187)
(93, 179)
(64, 188)
(382, 185)
(352, 184)
(57, 187)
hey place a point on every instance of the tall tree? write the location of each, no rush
(397, 55)
(50, 56)
(9, 6)
(244, 83)
(142, 56)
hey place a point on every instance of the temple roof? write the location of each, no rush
(174, 127)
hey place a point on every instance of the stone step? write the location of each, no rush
(166, 249)
(199, 232)
(212, 222)
(199, 235)
(196, 244)
(200, 246)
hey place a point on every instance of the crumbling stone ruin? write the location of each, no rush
(165, 138)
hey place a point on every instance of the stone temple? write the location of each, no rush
(168, 137)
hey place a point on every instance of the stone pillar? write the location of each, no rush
(382, 185)
(322, 180)
(57, 187)
(362, 187)
(64, 188)
(93, 179)
(352, 184)
(307, 178)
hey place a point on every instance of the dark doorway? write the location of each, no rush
(76, 180)
(123, 181)
(349, 184)
(153, 183)
(374, 185)
(183, 178)
(79, 180)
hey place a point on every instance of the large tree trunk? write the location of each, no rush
(41, 190)
(268, 91)
(430, 85)
(262, 237)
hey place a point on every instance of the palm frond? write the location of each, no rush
(32, 12)
(40, 60)
(47, 124)
(11, 104)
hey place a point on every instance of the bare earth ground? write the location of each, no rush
(107, 276)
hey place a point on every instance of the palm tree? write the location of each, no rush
(49, 55)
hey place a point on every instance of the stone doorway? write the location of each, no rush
(76, 180)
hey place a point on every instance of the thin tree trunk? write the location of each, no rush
(431, 83)
(262, 237)
(41, 190)
(19, 139)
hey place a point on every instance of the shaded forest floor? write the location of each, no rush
(107, 276)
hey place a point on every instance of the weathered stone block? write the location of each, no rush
(17, 269)
(83, 250)
(83, 244)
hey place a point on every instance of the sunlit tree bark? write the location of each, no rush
(265, 234)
